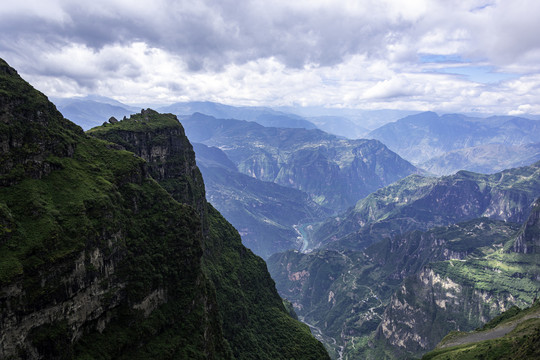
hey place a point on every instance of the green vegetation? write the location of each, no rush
(521, 339)
(93, 245)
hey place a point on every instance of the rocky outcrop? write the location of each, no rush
(528, 240)
(429, 305)
(166, 149)
(100, 260)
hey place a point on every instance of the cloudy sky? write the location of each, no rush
(447, 55)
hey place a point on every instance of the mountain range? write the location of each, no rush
(335, 172)
(400, 296)
(111, 248)
(114, 254)
(437, 141)
(420, 202)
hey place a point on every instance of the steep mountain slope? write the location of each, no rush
(261, 115)
(463, 294)
(100, 261)
(344, 294)
(264, 213)
(515, 334)
(419, 202)
(420, 137)
(334, 172)
(485, 159)
(245, 292)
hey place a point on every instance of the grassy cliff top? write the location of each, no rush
(146, 120)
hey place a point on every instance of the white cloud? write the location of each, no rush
(367, 54)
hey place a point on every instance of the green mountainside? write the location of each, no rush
(462, 294)
(108, 255)
(419, 202)
(515, 334)
(346, 294)
(335, 172)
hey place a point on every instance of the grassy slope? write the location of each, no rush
(520, 338)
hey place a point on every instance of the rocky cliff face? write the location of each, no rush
(461, 294)
(100, 261)
(348, 294)
(528, 241)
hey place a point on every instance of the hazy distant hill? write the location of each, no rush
(368, 119)
(421, 137)
(335, 172)
(339, 125)
(92, 111)
(262, 115)
(484, 159)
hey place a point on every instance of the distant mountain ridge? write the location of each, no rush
(335, 172)
(262, 115)
(421, 137)
(484, 159)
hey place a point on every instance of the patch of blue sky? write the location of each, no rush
(479, 74)
(433, 58)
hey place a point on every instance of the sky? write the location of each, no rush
(440, 55)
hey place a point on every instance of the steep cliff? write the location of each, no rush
(461, 294)
(528, 241)
(105, 255)
(345, 294)
(250, 307)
